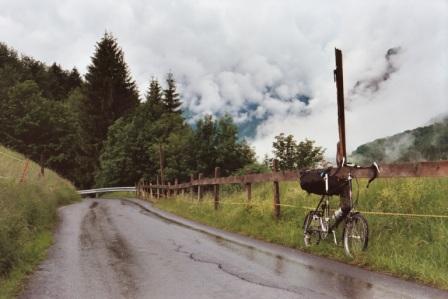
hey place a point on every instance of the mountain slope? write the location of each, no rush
(429, 143)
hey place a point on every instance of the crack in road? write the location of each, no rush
(221, 267)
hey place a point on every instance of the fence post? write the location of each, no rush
(176, 183)
(25, 171)
(158, 188)
(276, 191)
(42, 168)
(199, 187)
(141, 191)
(191, 186)
(249, 192)
(145, 190)
(216, 187)
(169, 190)
(150, 190)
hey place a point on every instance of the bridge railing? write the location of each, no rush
(107, 190)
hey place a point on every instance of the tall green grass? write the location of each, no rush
(410, 247)
(27, 217)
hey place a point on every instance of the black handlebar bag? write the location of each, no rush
(313, 181)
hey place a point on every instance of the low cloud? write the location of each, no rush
(268, 63)
(373, 84)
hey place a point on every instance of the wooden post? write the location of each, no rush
(158, 189)
(42, 168)
(176, 183)
(183, 192)
(216, 188)
(150, 190)
(25, 171)
(191, 186)
(276, 191)
(162, 164)
(339, 78)
(249, 192)
(199, 187)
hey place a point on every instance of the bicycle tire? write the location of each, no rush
(311, 235)
(356, 235)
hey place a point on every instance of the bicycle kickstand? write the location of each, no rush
(334, 237)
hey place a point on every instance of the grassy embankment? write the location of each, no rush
(27, 217)
(410, 247)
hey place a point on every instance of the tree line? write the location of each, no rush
(97, 131)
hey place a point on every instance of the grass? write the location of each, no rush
(414, 248)
(27, 217)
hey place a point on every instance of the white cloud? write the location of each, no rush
(253, 58)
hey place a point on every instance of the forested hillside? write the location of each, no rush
(429, 143)
(96, 130)
(35, 111)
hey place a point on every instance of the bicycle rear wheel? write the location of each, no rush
(356, 235)
(311, 229)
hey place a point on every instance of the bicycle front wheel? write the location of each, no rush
(356, 235)
(311, 229)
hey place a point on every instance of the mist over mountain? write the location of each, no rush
(428, 143)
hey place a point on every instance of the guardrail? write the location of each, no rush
(106, 190)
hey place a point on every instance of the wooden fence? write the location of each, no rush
(196, 187)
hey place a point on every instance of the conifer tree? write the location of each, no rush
(109, 94)
(154, 94)
(74, 79)
(171, 99)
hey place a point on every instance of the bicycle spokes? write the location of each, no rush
(356, 235)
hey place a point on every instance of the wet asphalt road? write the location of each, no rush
(118, 249)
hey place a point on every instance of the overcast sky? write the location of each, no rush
(261, 60)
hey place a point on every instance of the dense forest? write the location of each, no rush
(429, 143)
(96, 130)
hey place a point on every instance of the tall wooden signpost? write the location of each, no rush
(338, 77)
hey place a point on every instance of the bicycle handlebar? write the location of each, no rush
(353, 167)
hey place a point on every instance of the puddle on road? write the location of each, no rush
(296, 275)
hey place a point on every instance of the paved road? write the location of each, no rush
(118, 249)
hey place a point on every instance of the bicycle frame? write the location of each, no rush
(322, 212)
(317, 222)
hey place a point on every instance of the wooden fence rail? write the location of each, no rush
(147, 190)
